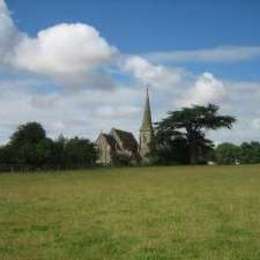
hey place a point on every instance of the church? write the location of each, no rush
(120, 146)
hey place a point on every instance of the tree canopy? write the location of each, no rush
(190, 124)
(29, 133)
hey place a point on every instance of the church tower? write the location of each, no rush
(146, 132)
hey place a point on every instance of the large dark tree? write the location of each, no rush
(191, 124)
(25, 144)
(29, 133)
(171, 150)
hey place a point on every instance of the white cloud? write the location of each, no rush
(9, 36)
(243, 103)
(150, 74)
(63, 49)
(71, 54)
(82, 113)
(207, 89)
(219, 54)
(256, 123)
(117, 111)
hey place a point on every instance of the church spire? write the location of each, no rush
(146, 132)
(147, 118)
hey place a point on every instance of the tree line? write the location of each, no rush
(246, 153)
(180, 138)
(30, 149)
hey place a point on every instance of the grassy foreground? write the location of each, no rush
(132, 213)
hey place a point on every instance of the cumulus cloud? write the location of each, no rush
(9, 36)
(69, 53)
(207, 89)
(150, 74)
(63, 49)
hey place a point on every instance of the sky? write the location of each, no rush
(81, 67)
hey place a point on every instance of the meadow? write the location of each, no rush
(200, 212)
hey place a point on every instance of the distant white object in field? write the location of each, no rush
(211, 163)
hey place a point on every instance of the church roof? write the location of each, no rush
(127, 139)
(109, 139)
(147, 118)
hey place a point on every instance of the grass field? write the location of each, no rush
(132, 213)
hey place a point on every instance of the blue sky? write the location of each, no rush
(144, 26)
(138, 27)
(187, 52)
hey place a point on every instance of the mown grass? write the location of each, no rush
(132, 213)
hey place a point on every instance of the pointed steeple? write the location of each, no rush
(147, 118)
(146, 146)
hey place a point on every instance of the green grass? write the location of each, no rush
(132, 213)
